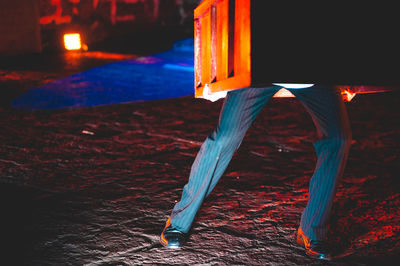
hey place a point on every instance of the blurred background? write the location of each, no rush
(86, 180)
(46, 40)
(38, 25)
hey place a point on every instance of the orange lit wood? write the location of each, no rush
(242, 38)
(205, 49)
(241, 43)
(212, 63)
(197, 53)
(203, 7)
(232, 83)
(222, 36)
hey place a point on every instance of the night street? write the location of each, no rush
(95, 185)
(103, 111)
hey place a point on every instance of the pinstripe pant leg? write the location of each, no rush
(330, 117)
(238, 112)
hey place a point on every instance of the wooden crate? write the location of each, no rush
(222, 45)
(241, 43)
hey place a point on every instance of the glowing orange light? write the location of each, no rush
(72, 41)
(348, 95)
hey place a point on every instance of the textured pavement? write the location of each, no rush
(95, 185)
(83, 184)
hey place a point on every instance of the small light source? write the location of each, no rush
(72, 41)
(348, 95)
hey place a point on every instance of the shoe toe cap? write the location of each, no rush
(173, 239)
(174, 243)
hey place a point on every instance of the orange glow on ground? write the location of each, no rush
(72, 41)
(100, 55)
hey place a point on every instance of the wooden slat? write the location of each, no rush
(222, 40)
(205, 48)
(197, 54)
(213, 43)
(231, 36)
(215, 53)
(235, 82)
(203, 8)
(242, 37)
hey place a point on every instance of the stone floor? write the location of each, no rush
(95, 185)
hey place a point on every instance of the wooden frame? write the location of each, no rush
(222, 45)
(238, 41)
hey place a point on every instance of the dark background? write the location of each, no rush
(94, 185)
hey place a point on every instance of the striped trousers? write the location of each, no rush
(239, 110)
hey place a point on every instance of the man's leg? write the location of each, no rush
(238, 112)
(327, 109)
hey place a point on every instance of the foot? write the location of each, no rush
(315, 248)
(172, 237)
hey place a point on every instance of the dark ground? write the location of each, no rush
(95, 185)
